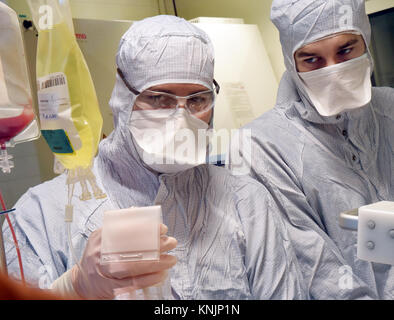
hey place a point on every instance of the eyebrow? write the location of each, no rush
(161, 91)
(349, 43)
(171, 92)
(304, 54)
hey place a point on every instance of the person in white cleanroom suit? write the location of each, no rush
(327, 146)
(231, 243)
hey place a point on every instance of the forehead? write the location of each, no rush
(333, 41)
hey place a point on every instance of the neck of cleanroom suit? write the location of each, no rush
(154, 51)
(301, 22)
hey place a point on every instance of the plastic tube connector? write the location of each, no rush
(85, 177)
(97, 192)
(5, 160)
(86, 195)
(68, 217)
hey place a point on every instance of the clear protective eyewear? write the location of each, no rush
(152, 100)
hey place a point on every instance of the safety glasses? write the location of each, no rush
(199, 102)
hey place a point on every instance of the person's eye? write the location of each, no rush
(345, 51)
(197, 100)
(155, 98)
(311, 60)
(163, 101)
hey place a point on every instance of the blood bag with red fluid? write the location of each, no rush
(18, 122)
(12, 126)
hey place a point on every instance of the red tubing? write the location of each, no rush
(15, 240)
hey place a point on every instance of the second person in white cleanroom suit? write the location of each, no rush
(327, 146)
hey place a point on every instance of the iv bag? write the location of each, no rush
(70, 117)
(18, 122)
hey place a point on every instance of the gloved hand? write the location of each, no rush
(97, 281)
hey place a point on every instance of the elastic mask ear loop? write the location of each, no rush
(217, 89)
(211, 123)
(209, 134)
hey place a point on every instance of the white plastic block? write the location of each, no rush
(131, 234)
(375, 241)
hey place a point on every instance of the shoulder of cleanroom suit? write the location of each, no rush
(318, 167)
(231, 242)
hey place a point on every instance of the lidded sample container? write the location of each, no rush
(133, 234)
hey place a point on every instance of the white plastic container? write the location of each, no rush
(133, 234)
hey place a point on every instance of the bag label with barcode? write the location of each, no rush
(53, 81)
(55, 110)
(53, 96)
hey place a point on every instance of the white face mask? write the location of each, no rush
(339, 87)
(169, 142)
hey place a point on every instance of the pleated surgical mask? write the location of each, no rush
(169, 142)
(339, 87)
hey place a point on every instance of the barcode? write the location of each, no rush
(53, 82)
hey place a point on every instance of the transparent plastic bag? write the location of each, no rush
(18, 122)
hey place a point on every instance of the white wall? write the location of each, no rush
(372, 6)
(252, 11)
(114, 9)
(246, 74)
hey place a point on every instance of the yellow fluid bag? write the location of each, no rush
(66, 87)
(70, 117)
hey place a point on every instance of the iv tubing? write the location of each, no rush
(3, 260)
(69, 238)
(15, 240)
(70, 195)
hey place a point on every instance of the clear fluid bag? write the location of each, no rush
(18, 122)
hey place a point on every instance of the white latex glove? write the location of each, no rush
(98, 281)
